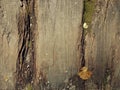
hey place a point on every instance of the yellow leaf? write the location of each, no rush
(84, 73)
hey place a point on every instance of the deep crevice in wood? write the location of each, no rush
(25, 66)
(83, 41)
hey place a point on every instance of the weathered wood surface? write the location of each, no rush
(57, 40)
(103, 45)
(8, 43)
(58, 44)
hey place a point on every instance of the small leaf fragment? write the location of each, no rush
(84, 73)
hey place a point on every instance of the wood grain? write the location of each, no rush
(57, 41)
(102, 45)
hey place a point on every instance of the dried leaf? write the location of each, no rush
(84, 73)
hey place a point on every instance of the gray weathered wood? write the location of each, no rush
(103, 45)
(8, 43)
(57, 40)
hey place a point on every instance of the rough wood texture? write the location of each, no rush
(103, 45)
(57, 44)
(57, 40)
(25, 66)
(8, 43)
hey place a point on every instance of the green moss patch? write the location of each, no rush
(89, 8)
(29, 87)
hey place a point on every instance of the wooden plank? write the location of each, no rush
(57, 55)
(103, 46)
(8, 43)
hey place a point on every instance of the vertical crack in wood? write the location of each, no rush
(83, 49)
(81, 83)
(25, 66)
(83, 41)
